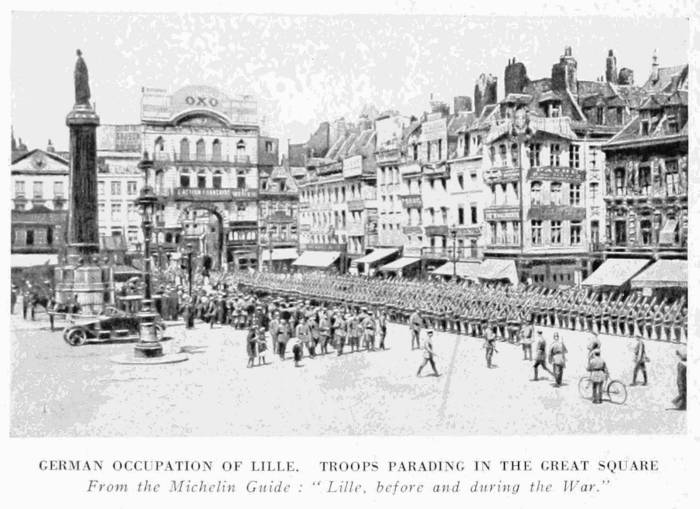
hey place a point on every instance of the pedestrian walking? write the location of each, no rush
(261, 345)
(284, 333)
(640, 361)
(428, 354)
(557, 358)
(540, 355)
(251, 346)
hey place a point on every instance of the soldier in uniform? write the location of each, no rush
(680, 401)
(353, 328)
(303, 334)
(428, 354)
(489, 346)
(324, 326)
(526, 340)
(339, 326)
(598, 372)
(640, 360)
(557, 358)
(541, 355)
(368, 330)
(284, 333)
(381, 327)
(274, 327)
(415, 323)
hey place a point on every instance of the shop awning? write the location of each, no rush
(495, 269)
(615, 272)
(663, 274)
(321, 259)
(20, 260)
(127, 270)
(286, 253)
(377, 255)
(667, 234)
(467, 270)
(400, 264)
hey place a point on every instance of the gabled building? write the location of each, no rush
(646, 174)
(39, 183)
(545, 167)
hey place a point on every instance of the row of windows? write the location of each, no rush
(338, 194)
(33, 237)
(115, 188)
(38, 189)
(642, 182)
(510, 156)
(201, 151)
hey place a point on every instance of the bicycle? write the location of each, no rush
(615, 389)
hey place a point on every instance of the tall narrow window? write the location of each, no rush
(575, 232)
(184, 178)
(536, 193)
(514, 155)
(554, 154)
(184, 149)
(535, 149)
(555, 193)
(619, 181)
(474, 213)
(216, 151)
(574, 156)
(575, 195)
(216, 180)
(536, 228)
(201, 150)
(556, 232)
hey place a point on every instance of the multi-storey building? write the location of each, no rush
(338, 195)
(119, 182)
(279, 216)
(544, 167)
(39, 183)
(646, 173)
(205, 146)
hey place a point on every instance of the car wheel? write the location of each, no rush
(75, 337)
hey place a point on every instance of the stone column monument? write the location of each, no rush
(81, 276)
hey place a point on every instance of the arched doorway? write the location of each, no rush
(202, 228)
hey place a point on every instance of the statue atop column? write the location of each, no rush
(80, 77)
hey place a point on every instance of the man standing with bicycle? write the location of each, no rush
(640, 361)
(598, 373)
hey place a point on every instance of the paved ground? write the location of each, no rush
(58, 390)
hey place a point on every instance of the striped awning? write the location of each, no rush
(377, 255)
(615, 272)
(21, 260)
(400, 264)
(321, 259)
(466, 270)
(287, 253)
(663, 274)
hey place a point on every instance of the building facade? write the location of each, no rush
(646, 174)
(119, 182)
(39, 180)
(205, 146)
(544, 166)
(279, 218)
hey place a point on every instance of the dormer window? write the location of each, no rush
(554, 110)
(644, 127)
(600, 115)
(672, 124)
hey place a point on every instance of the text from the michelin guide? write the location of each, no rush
(473, 477)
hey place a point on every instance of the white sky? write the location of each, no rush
(303, 69)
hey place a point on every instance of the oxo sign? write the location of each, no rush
(211, 102)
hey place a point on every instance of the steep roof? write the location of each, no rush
(667, 77)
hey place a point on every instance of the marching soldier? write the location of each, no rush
(381, 327)
(541, 355)
(340, 332)
(428, 354)
(368, 330)
(557, 358)
(415, 324)
(640, 360)
(526, 340)
(324, 326)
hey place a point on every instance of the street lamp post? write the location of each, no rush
(148, 344)
(453, 233)
(188, 252)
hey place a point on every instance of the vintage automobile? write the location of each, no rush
(112, 325)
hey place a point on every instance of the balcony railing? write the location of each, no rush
(174, 157)
(212, 194)
(448, 253)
